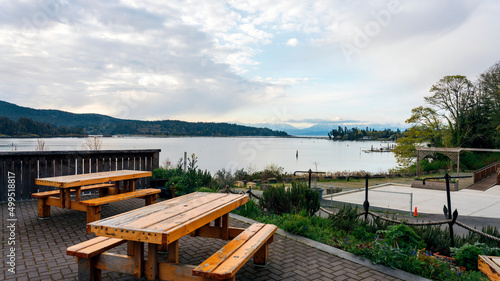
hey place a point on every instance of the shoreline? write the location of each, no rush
(159, 136)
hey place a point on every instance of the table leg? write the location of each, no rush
(217, 222)
(78, 195)
(43, 208)
(262, 255)
(152, 267)
(150, 199)
(66, 198)
(136, 251)
(225, 227)
(117, 187)
(173, 252)
(87, 270)
(93, 213)
(131, 185)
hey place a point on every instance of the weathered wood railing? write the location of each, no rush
(486, 171)
(18, 170)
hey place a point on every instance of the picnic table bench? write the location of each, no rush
(162, 225)
(108, 192)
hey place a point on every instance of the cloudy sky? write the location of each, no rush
(296, 62)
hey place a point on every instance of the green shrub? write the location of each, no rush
(242, 175)
(207, 189)
(249, 210)
(223, 178)
(347, 218)
(299, 197)
(272, 171)
(402, 236)
(204, 177)
(276, 200)
(296, 223)
(159, 173)
(467, 255)
(362, 234)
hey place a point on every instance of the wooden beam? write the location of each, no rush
(171, 271)
(54, 201)
(115, 262)
(75, 205)
(130, 234)
(215, 232)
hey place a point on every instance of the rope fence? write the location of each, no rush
(448, 221)
(497, 239)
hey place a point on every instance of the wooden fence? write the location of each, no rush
(18, 170)
(486, 171)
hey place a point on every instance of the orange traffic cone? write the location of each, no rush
(415, 214)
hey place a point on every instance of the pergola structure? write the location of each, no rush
(452, 153)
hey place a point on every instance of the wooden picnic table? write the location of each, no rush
(108, 183)
(161, 225)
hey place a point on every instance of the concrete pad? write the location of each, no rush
(396, 196)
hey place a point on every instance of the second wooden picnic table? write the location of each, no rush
(108, 184)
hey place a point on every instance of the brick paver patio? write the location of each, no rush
(41, 250)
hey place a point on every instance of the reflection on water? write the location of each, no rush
(251, 153)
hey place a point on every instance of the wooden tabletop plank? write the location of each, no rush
(198, 221)
(192, 213)
(172, 228)
(138, 214)
(86, 179)
(496, 260)
(175, 211)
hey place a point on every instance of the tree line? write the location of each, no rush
(459, 112)
(343, 133)
(29, 127)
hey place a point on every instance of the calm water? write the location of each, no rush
(234, 153)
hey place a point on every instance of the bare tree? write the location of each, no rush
(92, 143)
(41, 145)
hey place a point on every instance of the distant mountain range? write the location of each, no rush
(98, 124)
(321, 130)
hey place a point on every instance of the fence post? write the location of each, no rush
(448, 215)
(366, 204)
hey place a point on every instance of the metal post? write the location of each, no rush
(447, 210)
(366, 204)
(448, 198)
(310, 173)
(185, 159)
(418, 158)
(411, 203)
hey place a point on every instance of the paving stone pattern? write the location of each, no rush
(41, 250)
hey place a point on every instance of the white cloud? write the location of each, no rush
(206, 59)
(292, 42)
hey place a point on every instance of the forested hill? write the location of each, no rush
(98, 124)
